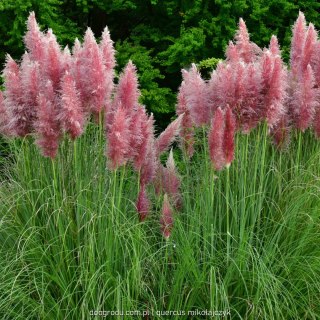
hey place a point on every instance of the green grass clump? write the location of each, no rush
(247, 239)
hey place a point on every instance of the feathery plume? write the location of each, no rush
(304, 101)
(18, 118)
(166, 220)
(143, 203)
(168, 136)
(228, 136)
(274, 87)
(4, 117)
(127, 89)
(150, 164)
(171, 181)
(274, 46)
(108, 56)
(71, 115)
(118, 139)
(216, 138)
(107, 50)
(297, 43)
(309, 47)
(94, 79)
(232, 53)
(196, 96)
(53, 60)
(187, 125)
(251, 107)
(247, 50)
(46, 125)
(34, 39)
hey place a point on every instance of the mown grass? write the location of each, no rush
(246, 240)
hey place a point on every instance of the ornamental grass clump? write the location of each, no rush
(220, 211)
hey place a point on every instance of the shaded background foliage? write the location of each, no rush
(161, 37)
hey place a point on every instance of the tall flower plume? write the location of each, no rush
(143, 203)
(71, 115)
(297, 43)
(187, 125)
(47, 126)
(304, 101)
(247, 50)
(216, 138)
(108, 56)
(34, 39)
(168, 136)
(127, 90)
(166, 220)
(196, 96)
(18, 119)
(118, 135)
(53, 60)
(228, 136)
(31, 86)
(171, 181)
(4, 117)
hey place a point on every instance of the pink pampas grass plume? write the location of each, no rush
(187, 125)
(34, 39)
(216, 138)
(66, 60)
(309, 47)
(247, 50)
(171, 181)
(297, 43)
(71, 115)
(251, 108)
(196, 96)
(47, 126)
(108, 56)
(53, 60)
(274, 46)
(281, 132)
(127, 89)
(228, 137)
(143, 203)
(118, 139)
(166, 220)
(316, 123)
(94, 89)
(142, 137)
(76, 49)
(304, 101)
(232, 53)
(274, 87)
(150, 164)
(168, 136)
(18, 116)
(4, 117)
(31, 85)
(107, 50)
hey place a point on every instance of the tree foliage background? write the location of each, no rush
(160, 36)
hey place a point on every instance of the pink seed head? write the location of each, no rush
(118, 139)
(274, 46)
(127, 90)
(216, 138)
(168, 136)
(228, 138)
(46, 125)
(34, 39)
(71, 115)
(166, 220)
(143, 203)
(297, 43)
